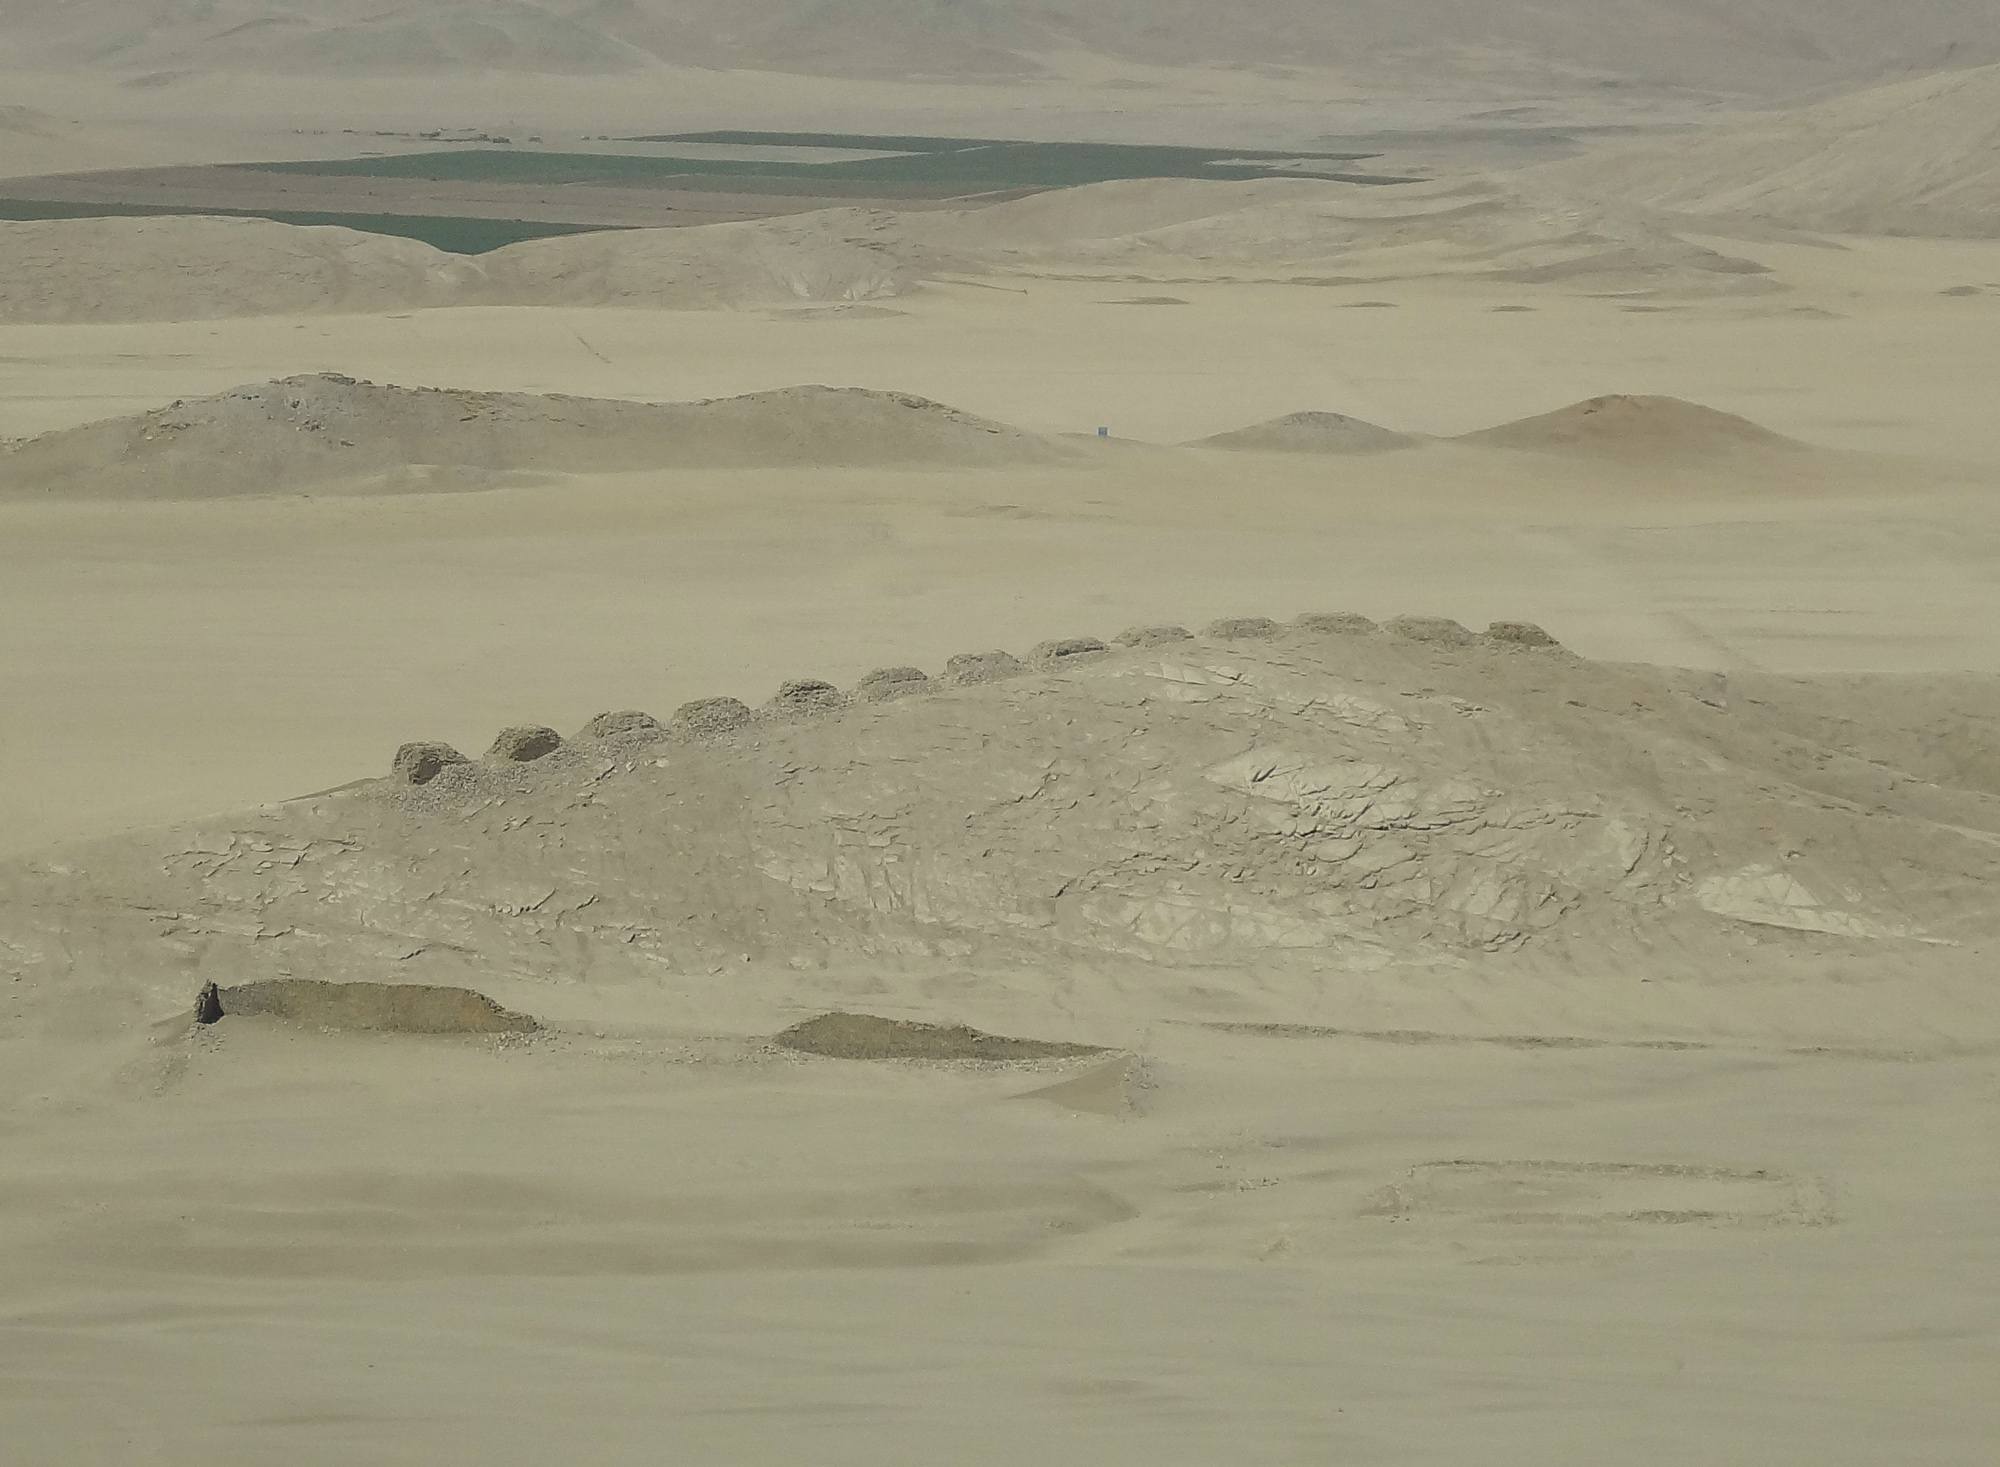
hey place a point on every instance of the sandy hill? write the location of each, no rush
(1755, 45)
(1656, 428)
(1312, 432)
(34, 142)
(1297, 798)
(324, 36)
(320, 431)
(188, 267)
(827, 255)
(1307, 228)
(1920, 156)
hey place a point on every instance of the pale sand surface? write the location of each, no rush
(190, 657)
(1913, 157)
(1723, 1197)
(1863, 352)
(378, 1252)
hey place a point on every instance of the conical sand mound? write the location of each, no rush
(311, 432)
(1644, 427)
(1334, 433)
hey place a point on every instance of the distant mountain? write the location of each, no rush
(1921, 156)
(1745, 45)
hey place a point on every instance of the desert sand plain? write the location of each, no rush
(1542, 1054)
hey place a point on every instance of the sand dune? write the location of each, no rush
(829, 255)
(189, 267)
(1278, 1044)
(320, 431)
(34, 142)
(1287, 228)
(1758, 45)
(1662, 430)
(1312, 432)
(1920, 156)
(320, 38)
(327, 431)
(1412, 794)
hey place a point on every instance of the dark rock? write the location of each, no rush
(420, 763)
(711, 716)
(892, 682)
(1152, 636)
(868, 1037)
(1439, 629)
(805, 695)
(1521, 633)
(1241, 628)
(404, 1008)
(1333, 623)
(983, 667)
(629, 723)
(524, 743)
(1066, 652)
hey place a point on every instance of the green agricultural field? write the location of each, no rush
(459, 236)
(940, 167)
(917, 169)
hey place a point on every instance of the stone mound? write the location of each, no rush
(1066, 652)
(423, 761)
(805, 695)
(396, 1008)
(867, 1037)
(524, 743)
(1521, 633)
(1153, 636)
(983, 667)
(711, 716)
(1440, 629)
(892, 682)
(628, 723)
(1640, 427)
(1333, 623)
(1333, 433)
(314, 432)
(1241, 628)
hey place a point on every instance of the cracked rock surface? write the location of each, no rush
(1349, 803)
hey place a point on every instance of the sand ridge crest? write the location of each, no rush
(1763, 46)
(1915, 156)
(1338, 798)
(181, 267)
(326, 429)
(1312, 432)
(1654, 427)
(1275, 230)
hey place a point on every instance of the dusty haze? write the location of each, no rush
(1185, 820)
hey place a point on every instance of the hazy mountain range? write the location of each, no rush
(1735, 45)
